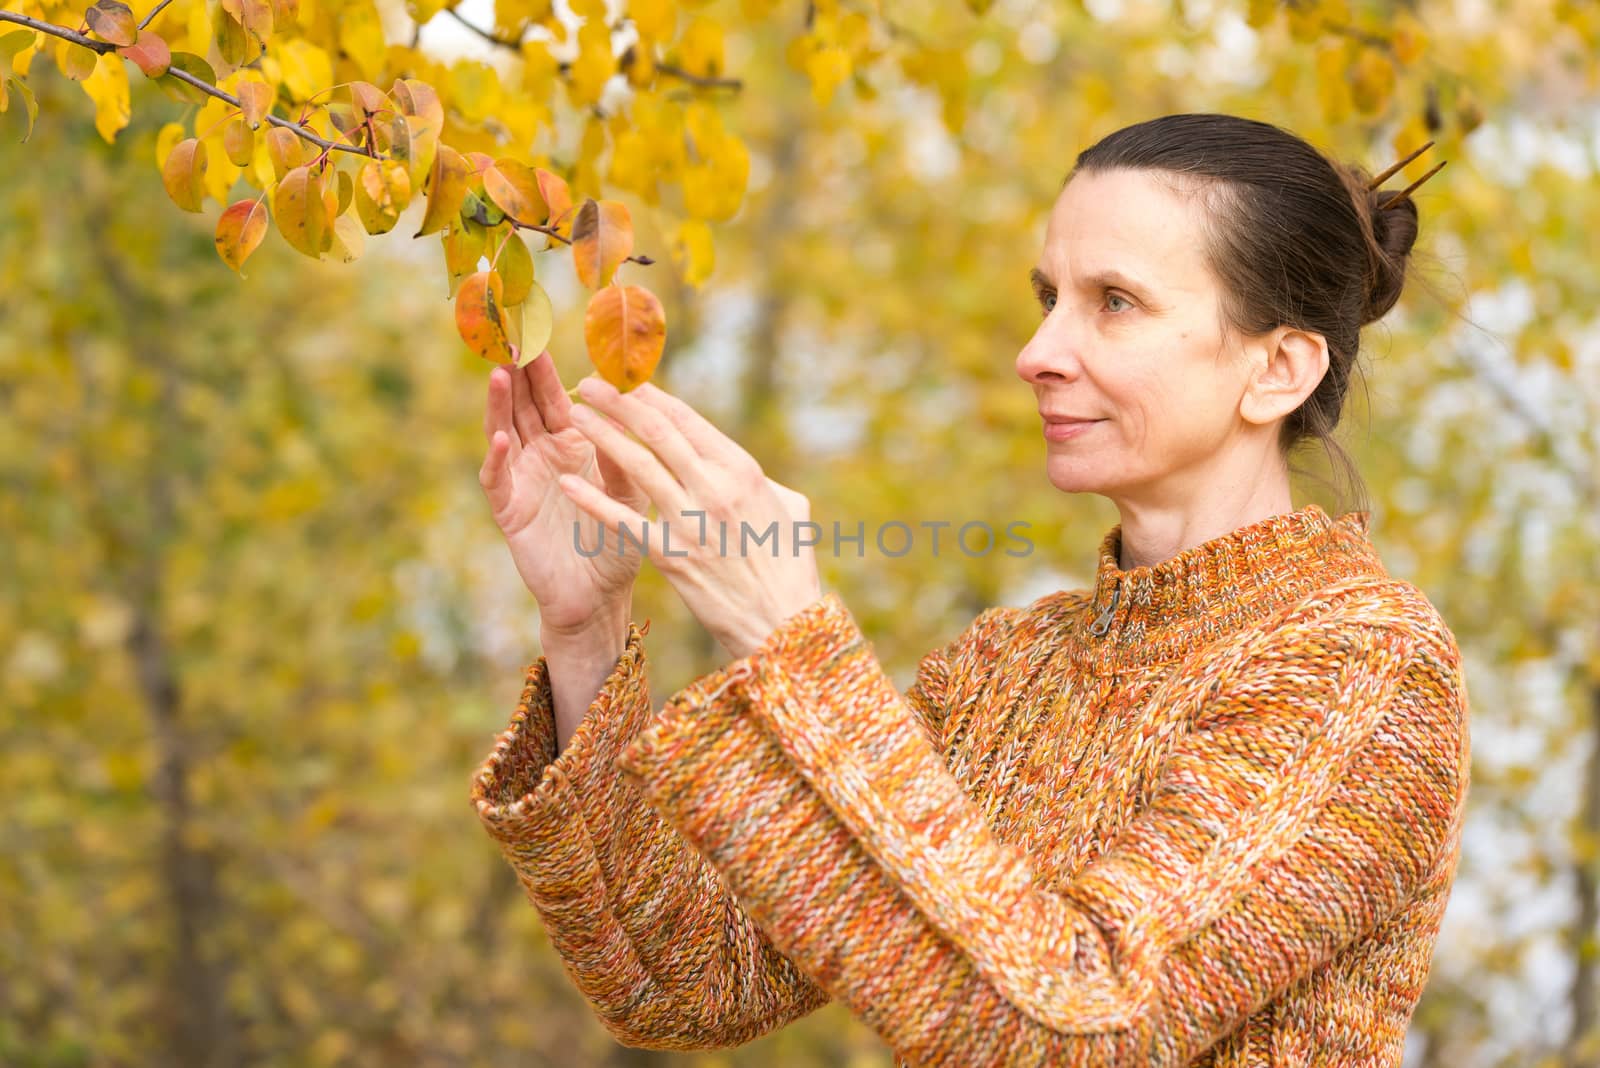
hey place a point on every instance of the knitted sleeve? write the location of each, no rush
(1319, 783)
(646, 928)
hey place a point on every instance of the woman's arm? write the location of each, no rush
(646, 928)
(1320, 785)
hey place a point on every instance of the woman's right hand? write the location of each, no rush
(532, 442)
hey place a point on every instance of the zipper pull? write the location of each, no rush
(1103, 621)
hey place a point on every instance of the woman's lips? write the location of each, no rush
(1063, 430)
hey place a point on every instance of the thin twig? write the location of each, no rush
(153, 13)
(181, 75)
(623, 62)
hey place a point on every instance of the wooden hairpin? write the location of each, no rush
(1391, 201)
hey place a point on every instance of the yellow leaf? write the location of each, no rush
(169, 136)
(538, 323)
(827, 67)
(1410, 38)
(183, 174)
(108, 88)
(515, 265)
(693, 251)
(701, 48)
(514, 187)
(595, 65)
(297, 205)
(655, 19)
(307, 70)
(383, 189)
(361, 35)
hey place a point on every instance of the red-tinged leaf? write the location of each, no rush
(557, 197)
(602, 237)
(383, 189)
(625, 330)
(238, 141)
(184, 173)
(515, 190)
(113, 21)
(150, 53)
(256, 100)
(480, 319)
(286, 149)
(298, 206)
(419, 98)
(369, 100)
(447, 189)
(240, 231)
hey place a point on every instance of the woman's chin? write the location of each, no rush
(1072, 475)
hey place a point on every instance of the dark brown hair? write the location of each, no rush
(1293, 239)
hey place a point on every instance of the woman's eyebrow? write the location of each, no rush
(1109, 277)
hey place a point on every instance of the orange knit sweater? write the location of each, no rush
(1205, 813)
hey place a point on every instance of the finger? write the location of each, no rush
(699, 431)
(497, 410)
(555, 407)
(495, 474)
(523, 413)
(659, 434)
(612, 515)
(619, 485)
(643, 466)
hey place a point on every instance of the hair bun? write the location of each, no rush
(1394, 232)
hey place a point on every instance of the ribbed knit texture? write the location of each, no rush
(1206, 813)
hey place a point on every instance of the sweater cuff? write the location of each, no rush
(527, 796)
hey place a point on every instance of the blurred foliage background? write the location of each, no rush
(257, 627)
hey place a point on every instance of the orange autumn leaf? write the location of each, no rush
(625, 330)
(557, 197)
(240, 231)
(447, 189)
(480, 317)
(602, 237)
(184, 174)
(514, 188)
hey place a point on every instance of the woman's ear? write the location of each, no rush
(1287, 365)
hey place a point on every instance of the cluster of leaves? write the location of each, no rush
(353, 157)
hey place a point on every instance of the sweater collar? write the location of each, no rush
(1150, 614)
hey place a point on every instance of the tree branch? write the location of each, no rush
(184, 76)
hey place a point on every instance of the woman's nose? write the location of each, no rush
(1049, 353)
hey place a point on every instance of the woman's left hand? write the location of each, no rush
(708, 492)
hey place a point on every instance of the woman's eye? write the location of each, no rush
(1113, 296)
(1047, 301)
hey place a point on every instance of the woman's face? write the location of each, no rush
(1130, 336)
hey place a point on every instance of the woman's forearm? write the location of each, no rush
(578, 665)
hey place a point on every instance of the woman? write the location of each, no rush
(1206, 812)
